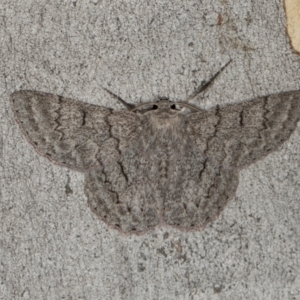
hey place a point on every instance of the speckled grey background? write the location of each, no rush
(52, 245)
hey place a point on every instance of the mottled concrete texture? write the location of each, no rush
(52, 245)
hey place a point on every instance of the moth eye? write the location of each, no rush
(154, 107)
(173, 106)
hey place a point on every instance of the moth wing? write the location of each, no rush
(66, 131)
(240, 134)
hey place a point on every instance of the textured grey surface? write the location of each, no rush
(52, 246)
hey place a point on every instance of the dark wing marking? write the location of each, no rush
(240, 134)
(66, 131)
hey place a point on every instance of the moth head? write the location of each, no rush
(165, 108)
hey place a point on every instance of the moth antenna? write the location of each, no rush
(201, 88)
(127, 105)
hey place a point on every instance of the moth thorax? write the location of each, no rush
(165, 122)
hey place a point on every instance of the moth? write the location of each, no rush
(159, 163)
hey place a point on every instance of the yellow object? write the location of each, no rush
(292, 8)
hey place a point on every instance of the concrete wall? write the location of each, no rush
(52, 245)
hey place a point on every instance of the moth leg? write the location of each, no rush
(127, 105)
(202, 87)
